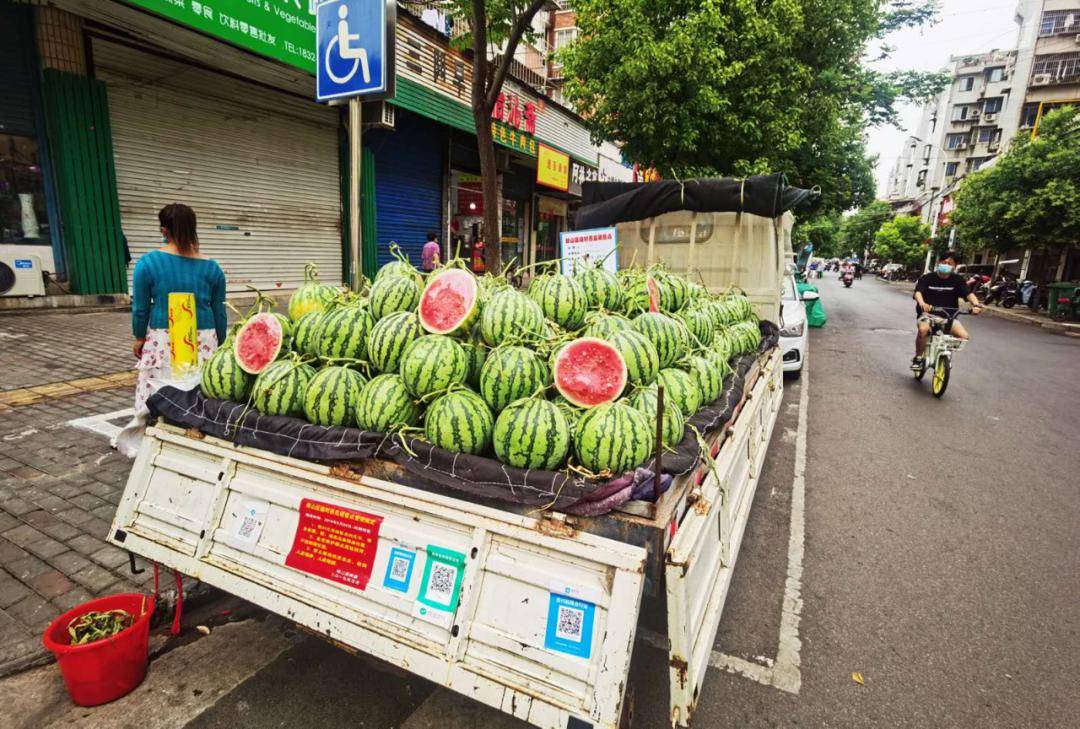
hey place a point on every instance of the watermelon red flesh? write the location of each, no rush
(448, 301)
(654, 294)
(589, 372)
(258, 343)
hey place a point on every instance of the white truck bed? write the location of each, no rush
(534, 615)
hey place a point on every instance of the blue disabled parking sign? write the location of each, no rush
(354, 40)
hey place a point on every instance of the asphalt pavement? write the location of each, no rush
(940, 563)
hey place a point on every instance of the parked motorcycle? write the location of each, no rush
(1004, 291)
(1030, 294)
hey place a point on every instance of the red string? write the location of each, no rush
(175, 629)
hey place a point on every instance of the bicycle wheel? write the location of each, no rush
(941, 376)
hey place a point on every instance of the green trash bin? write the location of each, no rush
(1057, 290)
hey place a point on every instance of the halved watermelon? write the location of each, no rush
(449, 302)
(258, 342)
(589, 372)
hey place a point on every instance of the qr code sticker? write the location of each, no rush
(399, 569)
(247, 527)
(568, 626)
(440, 587)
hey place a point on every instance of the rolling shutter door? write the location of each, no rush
(408, 184)
(259, 167)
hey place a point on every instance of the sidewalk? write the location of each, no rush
(59, 484)
(1022, 314)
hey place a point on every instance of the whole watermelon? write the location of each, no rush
(563, 301)
(459, 421)
(612, 438)
(343, 333)
(312, 295)
(385, 405)
(332, 396)
(433, 363)
(510, 315)
(646, 402)
(511, 373)
(222, 378)
(532, 433)
(389, 338)
(280, 388)
(602, 289)
(668, 336)
(391, 294)
(681, 388)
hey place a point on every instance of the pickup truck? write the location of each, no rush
(531, 612)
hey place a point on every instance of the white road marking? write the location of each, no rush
(786, 673)
(19, 436)
(101, 424)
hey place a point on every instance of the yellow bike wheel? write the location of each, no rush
(941, 376)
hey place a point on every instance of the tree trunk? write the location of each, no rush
(489, 187)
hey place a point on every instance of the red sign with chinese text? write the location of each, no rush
(335, 543)
(514, 111)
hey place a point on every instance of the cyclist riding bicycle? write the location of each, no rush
(942, 289)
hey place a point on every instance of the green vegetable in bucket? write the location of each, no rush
(93, 626)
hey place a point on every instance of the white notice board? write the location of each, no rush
(580, 248)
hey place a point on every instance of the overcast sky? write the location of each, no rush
(966, 26)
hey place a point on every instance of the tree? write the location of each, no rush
(902, 240)
(1031, 196)
(493, 24)
(779, 86)
(857, 230)
(823, 231)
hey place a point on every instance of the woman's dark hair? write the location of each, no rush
(953, 255)
(179, 220)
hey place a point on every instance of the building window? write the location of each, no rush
(950, 168)
(953, 141)
(23, 216)
(986, 134)
(992, 105)
(926, 152)
(993, 75)
(1057, 65)
(1028, 115)
(967, 83)
(1060, 21)
(960, 112)
(564, 36)
(921, 180)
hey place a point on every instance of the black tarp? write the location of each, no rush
(479, 477)
(608, 203)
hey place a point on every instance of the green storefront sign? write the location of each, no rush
(280, 29)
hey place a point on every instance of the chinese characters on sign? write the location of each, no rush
(512, 138)
(335, 543)
(515, 112)
(584, 248)
(553, 168)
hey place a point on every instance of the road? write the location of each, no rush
(940, 561)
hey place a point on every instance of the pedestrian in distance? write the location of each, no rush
(178, 268)
(431, 256)
(942, 288)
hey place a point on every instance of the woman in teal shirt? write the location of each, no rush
(176, 267)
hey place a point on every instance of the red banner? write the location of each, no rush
(336, 543)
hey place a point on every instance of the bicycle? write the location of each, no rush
(940, 348)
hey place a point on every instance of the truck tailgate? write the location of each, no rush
(527, 615)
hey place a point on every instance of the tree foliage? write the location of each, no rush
(741, 86)
(857, 230)
(902, 240)
(823, 231)
(1031, 196)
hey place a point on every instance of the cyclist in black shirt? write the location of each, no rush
(943, 289)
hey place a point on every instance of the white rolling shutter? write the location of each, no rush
(259, 167)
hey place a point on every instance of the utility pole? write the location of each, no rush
(355, 153)
(933, 229)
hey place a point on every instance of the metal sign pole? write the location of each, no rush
(355, 156)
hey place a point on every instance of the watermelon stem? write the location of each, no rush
(706, 454)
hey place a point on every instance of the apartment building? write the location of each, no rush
(1049, 56)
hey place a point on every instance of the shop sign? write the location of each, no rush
(553, 168)
(579, 249)
(280, 29)
(515, 112)
(515, 140)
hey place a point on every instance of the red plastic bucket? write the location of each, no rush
(103, 671)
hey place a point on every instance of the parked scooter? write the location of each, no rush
(1004, 291)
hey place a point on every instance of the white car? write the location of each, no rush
(793, 335)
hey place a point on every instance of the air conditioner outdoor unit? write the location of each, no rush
(974, 114)
(1076, 38)
(1040, 79)
(379, 115)
(21, 275)
(990, 117)
(962, 145)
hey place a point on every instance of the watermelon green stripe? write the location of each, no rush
(613, 438)
(459, 421)
(563, 301)
(511, 373)
(642, 361)
(332, 396)
(222, 378)
(343, 333)
(679, 385)
(385, 404)
(433, 363)
(389, 338)
(392, 294)
(532, 433)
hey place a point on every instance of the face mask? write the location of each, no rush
(944, 268)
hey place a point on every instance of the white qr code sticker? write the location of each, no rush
(569, 623)
(248, 520)
(399, 568)
(440, 587)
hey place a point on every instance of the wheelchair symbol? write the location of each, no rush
(343, 42)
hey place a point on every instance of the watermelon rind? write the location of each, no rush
(459, 421)
(391, 294)
(258, 342)
(223, 379)
(532, 433)
(681, 388)
(343, 333)
(450, 301)
(563, 301)
(602, 288)
(510, 316)
(669, 336)
(639, 354)
(510, 373)
(646, 402)
(612, 438)
(589, 372)
(311, 296)
(389, 338)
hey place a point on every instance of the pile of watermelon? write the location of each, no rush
(565, 375)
